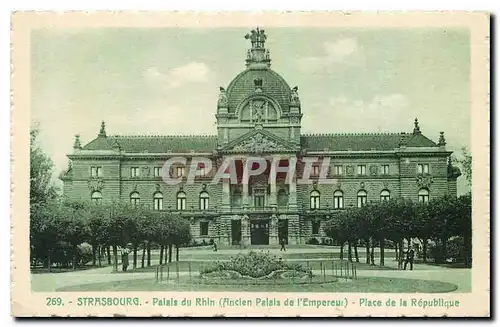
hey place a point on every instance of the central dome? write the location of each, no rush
(262, 80)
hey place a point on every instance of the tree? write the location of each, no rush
(180, 233)
(465, 162)
(98, 231)
(41, 188)
(335, 229)
(423, 226)
(74, 228)
(45, 233)
(116, 226)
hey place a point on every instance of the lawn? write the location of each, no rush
(196, 266)
(206, 255)
(363, 284)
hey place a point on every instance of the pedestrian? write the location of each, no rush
(125, 259)
(410, 256)
(282, 242)
(215, 246)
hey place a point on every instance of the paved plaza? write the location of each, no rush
(45, 282)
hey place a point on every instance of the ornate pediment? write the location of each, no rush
(259, 142)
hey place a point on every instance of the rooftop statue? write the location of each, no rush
(222, 97)
(257, 37)
(294, 97)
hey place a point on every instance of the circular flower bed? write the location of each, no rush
(255, 265)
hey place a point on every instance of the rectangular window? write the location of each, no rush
(180, 171)
(259, 201)
(157, 171)
(203, 228)
(385, 169)
(95, 171)
(134, 171)
(203, 170)
(423, 168)
(337, 170)
(315, 227)
(315, 171)
(361, 169)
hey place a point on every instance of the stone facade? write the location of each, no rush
(260, 115)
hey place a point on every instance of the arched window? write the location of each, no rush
(96, 197)
(385, 195)
(158, 201)
(282, 198)
(315, 200)
(338, 199)
(204, 201)
(362, 196)
(135, 199)
(181, 201)
(423, 195)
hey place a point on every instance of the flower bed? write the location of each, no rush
(258, 265)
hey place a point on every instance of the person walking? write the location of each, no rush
(282, 242)
(124, 259)
(410, 256)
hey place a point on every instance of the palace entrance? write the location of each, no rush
(283, 230)
(259, 231)
(235, 232)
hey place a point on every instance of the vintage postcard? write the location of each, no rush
(250, 164)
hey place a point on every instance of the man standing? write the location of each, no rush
(410, 255)
(282, 242)
(125, 259)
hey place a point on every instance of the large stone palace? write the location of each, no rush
(259, 114)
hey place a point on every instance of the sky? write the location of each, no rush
(166, 80)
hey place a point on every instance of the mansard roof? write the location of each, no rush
(155, 143)
(363, 141)
(310, 142)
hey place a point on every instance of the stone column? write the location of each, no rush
(244, 184)
(272, 194)
(245, 230)
(292, 198)
(226, 195)
(273, 231)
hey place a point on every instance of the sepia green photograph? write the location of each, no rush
(252, 158)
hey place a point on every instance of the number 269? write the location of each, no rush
(53, 301)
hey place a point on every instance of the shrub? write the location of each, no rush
(313, 241)
(455, 249)
(253, 264)
(326, 241)
(84, 254)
